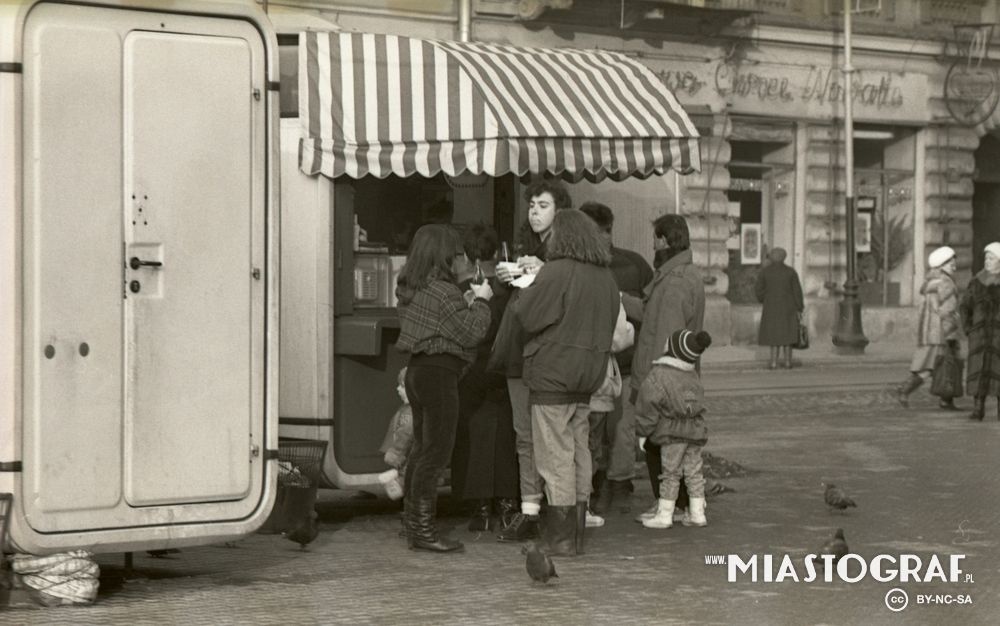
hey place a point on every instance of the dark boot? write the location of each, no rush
(948, 404)
(423, 529)
(907, 387)
(601, 499)
(507, 508)
(481, 513)
(559, 531)
(653, 467)
(978, 408)
(521, 528)
(581, 524)
(597, 483)
(404, 518)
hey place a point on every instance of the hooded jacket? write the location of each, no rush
(671, 404)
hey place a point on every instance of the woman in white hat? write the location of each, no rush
(938, 330)
(980, 308)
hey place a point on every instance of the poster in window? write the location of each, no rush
(863, 232)
(750, 244)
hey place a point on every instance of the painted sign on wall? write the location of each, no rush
(819, 92)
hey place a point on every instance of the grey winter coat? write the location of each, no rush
(673, 301)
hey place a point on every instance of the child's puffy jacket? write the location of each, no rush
(671, 404)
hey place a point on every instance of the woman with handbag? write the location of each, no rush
(780, 291)
(938, 332)
(980, 309)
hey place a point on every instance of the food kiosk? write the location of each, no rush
(388, 128)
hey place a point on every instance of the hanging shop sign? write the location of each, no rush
(819, 92)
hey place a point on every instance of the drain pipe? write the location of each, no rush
(464, 20)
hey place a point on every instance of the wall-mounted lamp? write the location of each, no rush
(780, 189)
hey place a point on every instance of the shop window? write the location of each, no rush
(884, 203)
(761, 204)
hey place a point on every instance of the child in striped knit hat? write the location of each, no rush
(669, 411)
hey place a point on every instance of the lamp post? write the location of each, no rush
(848, 336)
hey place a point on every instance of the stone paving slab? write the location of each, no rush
(924, 479)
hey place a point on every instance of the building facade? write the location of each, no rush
(764, 81)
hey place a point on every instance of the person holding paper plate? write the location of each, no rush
(544, 197)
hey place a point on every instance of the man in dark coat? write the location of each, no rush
(613, 475)
(779, 289)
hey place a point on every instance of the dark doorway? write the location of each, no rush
(985, 199)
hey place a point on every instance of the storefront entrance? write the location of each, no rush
(985, 199)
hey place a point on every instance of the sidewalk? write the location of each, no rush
(819, 354)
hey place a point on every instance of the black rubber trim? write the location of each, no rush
(10, 466)
(11, 68)
(270, 454)
(305, 421)
(273, 85)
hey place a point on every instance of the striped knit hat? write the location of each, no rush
(686, 345)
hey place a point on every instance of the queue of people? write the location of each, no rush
(502, 377)
(526, 398)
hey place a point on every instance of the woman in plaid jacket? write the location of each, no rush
(440, 330)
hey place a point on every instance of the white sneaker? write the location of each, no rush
(648, 515)
(393, 483)
(593, 520)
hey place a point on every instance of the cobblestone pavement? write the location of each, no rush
(924, 480)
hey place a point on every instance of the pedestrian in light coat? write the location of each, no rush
(938, 330)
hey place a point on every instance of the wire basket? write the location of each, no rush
(300, 461)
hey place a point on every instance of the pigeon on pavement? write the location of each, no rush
(539, 565)
(836, 545)
(836, 498)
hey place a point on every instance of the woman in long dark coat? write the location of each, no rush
(779, 289)
(980, 309)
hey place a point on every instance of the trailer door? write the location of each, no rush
(189, 267)
(145, 183)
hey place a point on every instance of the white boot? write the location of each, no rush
(664, 517)
(695, 515)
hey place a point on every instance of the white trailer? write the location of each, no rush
(138, 272)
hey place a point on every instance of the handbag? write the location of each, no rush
(946, 379)
(802, 342)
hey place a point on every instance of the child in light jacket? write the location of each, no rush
(670, 412)
(397, 443)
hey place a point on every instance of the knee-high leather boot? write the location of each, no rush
(423, 529)
(559, 530)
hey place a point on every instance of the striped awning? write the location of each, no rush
(381, 104)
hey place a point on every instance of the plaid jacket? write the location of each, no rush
(438, 321)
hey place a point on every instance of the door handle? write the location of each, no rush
(135, 263)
